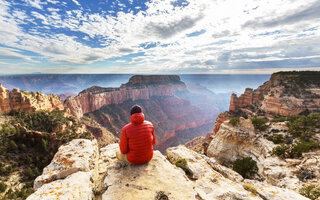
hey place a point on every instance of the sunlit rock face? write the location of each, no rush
(138, 88)
(27, 101)
(96, 174)
(175, 119)
(285, 94)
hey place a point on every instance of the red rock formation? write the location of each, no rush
(170, 114)
(138, 88)
(27, 101)
(285, 94)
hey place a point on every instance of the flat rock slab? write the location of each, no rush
(74, 187)
(271, 192)
(158, 179)
(77, 155)
(209, 184)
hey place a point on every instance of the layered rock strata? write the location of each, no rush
(138, 88)
(285, 94)
(233, 142)
(98, 175)
(175, 119)
(27, 101)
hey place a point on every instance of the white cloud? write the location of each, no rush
(76, 2)
(35, 3)
(235, 33)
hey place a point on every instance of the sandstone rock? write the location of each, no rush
(138, 87)
(196, 144)
(267, 191)
(74, 187)
(231, 143)
(208, 183)
(27, 101)
(77, 155)
(147, 181)
(276, 97)
(101, 176)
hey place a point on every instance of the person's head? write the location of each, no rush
(135, 109)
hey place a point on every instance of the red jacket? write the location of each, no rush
(137, 139)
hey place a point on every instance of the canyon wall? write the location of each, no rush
(27, 101)
(175, 119)
(285, 94)
(138, 88)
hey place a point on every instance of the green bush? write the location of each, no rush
(302, 147)
(182, 163)
(12, 145)
(259, 123)
(280, 119)
(3, 187)
(234, 121)
(311, 191)
(249, 187)
(304, 126)
(278, 139)
(245, 166)
(280, 150)
(29, 173)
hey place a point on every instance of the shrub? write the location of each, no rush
(280, 119)
(259, 123)
(182, 163)
(3, 187)
(12, 145)
(249, 187)
(245, 166)
(311, 191)
(29, 173)
(277, 139)
(44, 145)
(234, 121)
(303, 146)
(279, 150)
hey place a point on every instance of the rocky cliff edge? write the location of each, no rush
(80, 170)
(27, 101)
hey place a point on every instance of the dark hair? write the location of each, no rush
(135, 109)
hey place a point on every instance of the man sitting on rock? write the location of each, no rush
(137, 139)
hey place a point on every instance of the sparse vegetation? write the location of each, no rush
(280, 150)
(278, 139)
(182, 163)
(249, 187)
(294, 150)
(234, 121)
(3, 187)
(247, 167)
(259, 123)
(27, 151)
(311, 191)
(303, 129)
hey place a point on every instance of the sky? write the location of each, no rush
(159, 36)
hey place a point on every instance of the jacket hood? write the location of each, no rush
(137, 118)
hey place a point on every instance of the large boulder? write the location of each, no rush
(77, 155)
(80, 171)
(226, 184)
(153, 180)
(74, 186)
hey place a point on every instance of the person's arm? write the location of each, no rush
(124, 146)
(154, 137)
